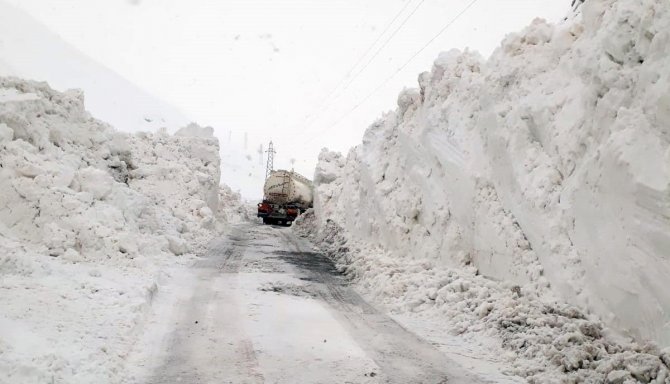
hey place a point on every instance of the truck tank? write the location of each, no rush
(288, 187)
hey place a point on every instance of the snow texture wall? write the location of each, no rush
(547, 165)
(89, 218)
(75, 185)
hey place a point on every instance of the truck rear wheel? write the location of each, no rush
(266, 220)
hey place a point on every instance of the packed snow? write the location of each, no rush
(525, 196)
(89, 219)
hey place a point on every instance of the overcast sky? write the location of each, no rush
(265, 67)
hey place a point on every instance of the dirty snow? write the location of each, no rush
(525, 196)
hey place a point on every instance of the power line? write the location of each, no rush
(402, 24)
(360, 59)
(382, 84)
(437, 35)
(385, 44)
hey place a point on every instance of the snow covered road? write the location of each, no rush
(261, 307)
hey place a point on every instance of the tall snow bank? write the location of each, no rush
(523, 335)
(547, 165)
(72, 183)
(89, 217)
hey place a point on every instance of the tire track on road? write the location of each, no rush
(208, 344)
(402, 356)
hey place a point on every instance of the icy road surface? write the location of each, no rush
(261, 307)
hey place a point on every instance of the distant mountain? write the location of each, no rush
(30, 50)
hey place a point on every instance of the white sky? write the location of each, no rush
(263, 67)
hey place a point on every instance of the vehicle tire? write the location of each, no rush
(266, 220)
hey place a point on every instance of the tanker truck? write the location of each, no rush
(287, 194)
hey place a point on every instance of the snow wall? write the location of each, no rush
(90, 219)
(547, 165)
(75, 185)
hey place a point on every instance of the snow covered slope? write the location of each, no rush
(90, 219)
(29, 50)
(547, 166)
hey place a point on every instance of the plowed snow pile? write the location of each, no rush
(89, 217)
(540, 175)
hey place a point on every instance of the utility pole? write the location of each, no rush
(270, 165)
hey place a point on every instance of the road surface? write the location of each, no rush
(262, 307)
